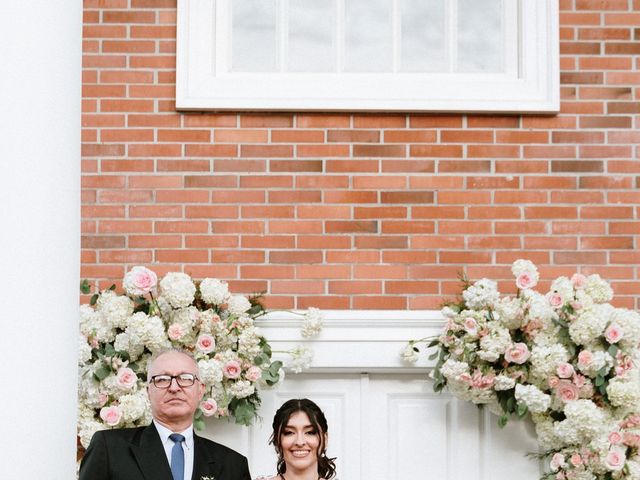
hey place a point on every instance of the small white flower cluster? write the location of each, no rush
(567, 357)
(119, 333)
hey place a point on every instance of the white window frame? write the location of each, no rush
(202, 82)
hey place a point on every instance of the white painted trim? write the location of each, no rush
(356, 341)
(202, 86)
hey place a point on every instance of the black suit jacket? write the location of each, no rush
(137, 454)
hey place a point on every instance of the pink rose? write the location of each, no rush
(126, 378)
(579, 380)
(567, 391)
(553, 381)
(560, 476)
(111, 415)
(517, 353)
(470, 325)
(175, 331)
(232, 369)
(578, 280)
(557, 461)
(253, 374)
(585, 358)
(555, 300)
(102, 399)
(576, 460)
(615, 438)
(565, 370)
(206, 343)
(525, 280)
(209, 407)
(613, 333)
(615, 459)
(631, 439)
(140, 281)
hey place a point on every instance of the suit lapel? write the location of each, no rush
(149, 453)
(204, 462)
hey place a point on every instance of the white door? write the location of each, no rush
(393, 427)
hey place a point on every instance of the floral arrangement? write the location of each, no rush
(119, 333)
(568, 358)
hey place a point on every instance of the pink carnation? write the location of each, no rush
(613, 333)
(126, 378)
(232, 369)
(209, 407)
(140, 281)
(517, 353)
(175, 331)
(565, 370)
(111, 415)
(567, 391)
(555, 300)
(206, 343)
(253, 373)
(526, 280)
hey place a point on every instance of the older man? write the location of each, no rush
(167, 449)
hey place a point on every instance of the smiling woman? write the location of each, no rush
(300, 435)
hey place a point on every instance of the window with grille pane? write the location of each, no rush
(379, 55)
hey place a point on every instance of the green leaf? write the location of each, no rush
(275, 367)
(112, 287)
(433, 343)
(433, 356)
(94, 299)
(85, 287)
(260, 359)
(613, 350)
(198, 424)
(511, 404)
(599, 381)
(503, 420)
(603, 371)
(102, 373)
(522, 410)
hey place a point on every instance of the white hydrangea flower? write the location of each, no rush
(634, 469)
(312, 323)
(210, 371)
(452, 369)
(483, 293)
(94, 324)
(115, 308)
(178, 289)
(545, 360)
(87, 428)
(84, 350)
(590, 324)
(301, 358)
(629, 322)
(494, 343)
(134, 405)
(539, 308)
(249, 342)
(597, 359)
(535, 400)
(598, 289)
(526, 274)
(148, 331)
(238, 304)
(241, 388)
(586, 417)
(624, 392)
(547, 439)
(214, 291)
(409, 354)
(509, 312)
(563, 287)
(503, 382)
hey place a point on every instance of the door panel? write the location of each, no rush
(392, 427)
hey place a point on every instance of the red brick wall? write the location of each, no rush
(357, 210)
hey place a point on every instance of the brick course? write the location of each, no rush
(353, 210)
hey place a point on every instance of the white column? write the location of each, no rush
(40, 80)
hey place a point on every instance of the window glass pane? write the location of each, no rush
(253, 26)
(312, 33)
(423, 36)
(368, 36)
(480, 26)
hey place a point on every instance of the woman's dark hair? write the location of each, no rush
(326, 465)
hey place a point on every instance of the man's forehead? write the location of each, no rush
(173, 361)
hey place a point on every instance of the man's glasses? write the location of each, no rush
(183, 380)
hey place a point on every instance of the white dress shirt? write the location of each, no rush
(187, 446)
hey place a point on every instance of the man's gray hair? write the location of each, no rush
(164, 351)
